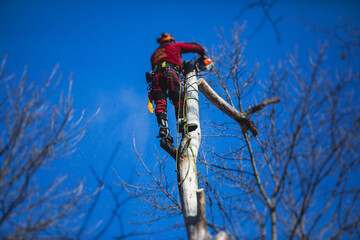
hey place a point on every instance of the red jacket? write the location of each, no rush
(172, 52)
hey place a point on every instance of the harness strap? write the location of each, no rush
(162, 66)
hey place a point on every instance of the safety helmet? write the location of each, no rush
(165, 37)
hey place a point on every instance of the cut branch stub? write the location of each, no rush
(171, 149)
(168, 147)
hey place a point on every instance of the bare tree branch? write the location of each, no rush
(36, 132)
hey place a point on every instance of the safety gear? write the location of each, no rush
(166, 65)
(162, 66)
(165, 37)
(171, 53)
(204, 64)
(164, 131)
(167, 84)
(149, 77)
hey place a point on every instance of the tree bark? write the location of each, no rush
(192, 199)
(186, 165)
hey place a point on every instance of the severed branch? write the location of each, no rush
(240, 117)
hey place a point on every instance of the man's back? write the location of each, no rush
(172, 53)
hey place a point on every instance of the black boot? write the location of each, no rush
(184, 127)
(164, 131)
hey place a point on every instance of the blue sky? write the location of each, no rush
(107, 46)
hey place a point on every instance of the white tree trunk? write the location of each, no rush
(192, 198)
(187, 176)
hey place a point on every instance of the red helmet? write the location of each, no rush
(165, 37)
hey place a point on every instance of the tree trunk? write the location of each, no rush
(195, 223)
(192, 198)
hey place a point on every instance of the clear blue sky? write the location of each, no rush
(107, 45)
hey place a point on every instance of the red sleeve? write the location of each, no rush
(191, 47)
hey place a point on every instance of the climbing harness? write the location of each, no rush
(150, 78)
(162, 66)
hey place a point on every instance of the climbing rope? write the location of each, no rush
(185, 126)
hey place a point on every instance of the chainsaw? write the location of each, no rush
(204, 64)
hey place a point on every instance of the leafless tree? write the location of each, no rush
(293, 178)
(191, 197)
(294, 175)
(34, 132)
(266, 8)
(344, 36)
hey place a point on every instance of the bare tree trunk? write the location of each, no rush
(192, 198)
(273, 225)
(196, 226)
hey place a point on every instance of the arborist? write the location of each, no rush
(166, 63)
